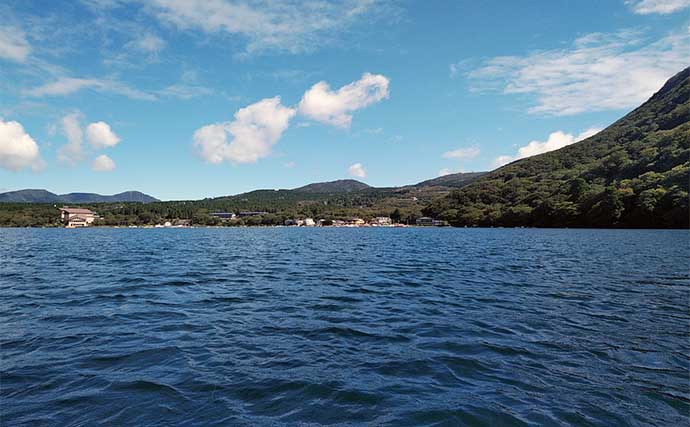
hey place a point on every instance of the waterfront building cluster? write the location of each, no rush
(82, 217)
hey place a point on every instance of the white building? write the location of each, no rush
(77, 217)
(381, 221)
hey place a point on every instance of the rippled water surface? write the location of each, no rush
(383, 327)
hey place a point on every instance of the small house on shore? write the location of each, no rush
(223, 215)
(425, 221)
(77, 217)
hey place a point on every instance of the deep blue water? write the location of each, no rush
(382, 327)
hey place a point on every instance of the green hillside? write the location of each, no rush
(456, 180)
(635, 173)
(339, 186)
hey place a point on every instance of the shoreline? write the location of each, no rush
(338, 227)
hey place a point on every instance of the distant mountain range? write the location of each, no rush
(44, 196)
(317, 189)
(455, 180)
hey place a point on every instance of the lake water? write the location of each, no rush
(382, 327)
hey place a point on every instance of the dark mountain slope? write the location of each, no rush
(43, 196)
(339, 186)
(29, 196)
(455, 180)
(635, 173)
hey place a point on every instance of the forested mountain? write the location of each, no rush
(339, 186)
(29, 196)
(635, 173)
(456, 180)
(44, 196)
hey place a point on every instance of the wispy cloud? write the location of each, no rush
(72, 152)
(69, 85)
(13, 44)
(289, 26)
(598, 72)
(149, 43)
(462, 153)
(663, 7)
(184, 91)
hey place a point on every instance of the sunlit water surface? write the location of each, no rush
(383, 327)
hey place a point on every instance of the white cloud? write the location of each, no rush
(357, 170)
(99, 135)
(322, 104)
(68, 85)
(444, 172)
(598, 72)
(255, 129)
(71, 152)
(185, 91)
(18, 150)
(556, 140)
(454, 69)
(149, 43)
(289, 165)
(502, 160)
(292, 26)
(13, 44)
(462, 153)
(646, 7)
(103, 163)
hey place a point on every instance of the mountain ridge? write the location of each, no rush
(44, 196)
(337, 186)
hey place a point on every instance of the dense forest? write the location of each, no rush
(633, 174)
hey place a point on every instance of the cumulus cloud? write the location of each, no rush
(99, 135)
(462, 153)
(292, 26)
(69, 85)
(556, 140)
(663, 7)
(598, 72)
(18, 150)
(255, 129)
(324, 105)
(357, 170)
(103, 163)
(13, 44)
(71, 152)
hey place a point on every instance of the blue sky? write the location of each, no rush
(185, 99)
